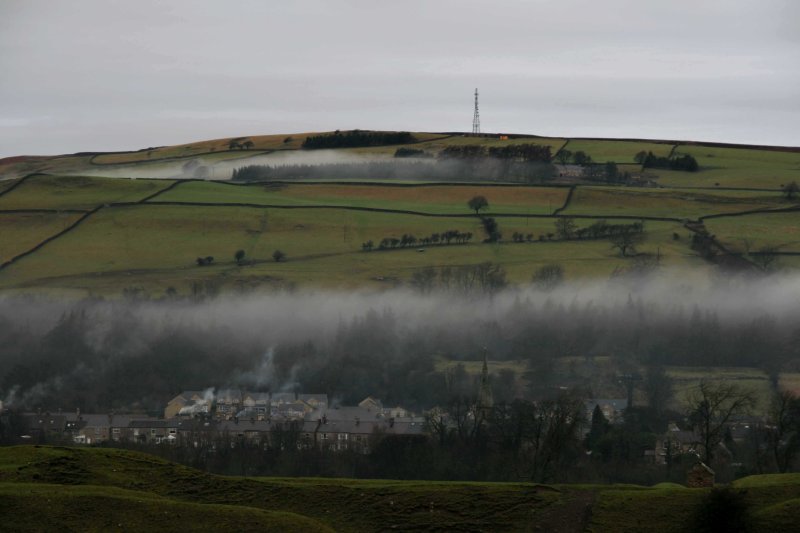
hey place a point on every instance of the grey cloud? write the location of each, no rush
(121, 75)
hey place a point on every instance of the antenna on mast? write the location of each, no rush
(476, 118)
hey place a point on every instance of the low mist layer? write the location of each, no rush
(395, 345)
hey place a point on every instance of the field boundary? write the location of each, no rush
(567, 200)
(165, 189)
(707, 144)
(766, 211)
(397, 211)
(253, 153)
(21, 181)
(37, 210)
(559, 150)
(53, 237)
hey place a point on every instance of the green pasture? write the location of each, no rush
(427, 199)
(18, 167)
(779, 230)
(96, 489)
(125, 245)
(610, 201)
(98, 508)
(687, 379)
(633, 510)
(260, 142)
(77, 192)
(734, 167)
(6, 184)
(616, 151)
(20, 232)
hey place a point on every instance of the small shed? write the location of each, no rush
(700, 476)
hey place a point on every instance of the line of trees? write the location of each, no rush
(356, 138)
(567, 229)
(409, 240)
(528, 163)
(516, 152)
(683, 162)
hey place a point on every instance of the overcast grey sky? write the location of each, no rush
(110, 75)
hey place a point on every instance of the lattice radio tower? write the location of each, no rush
(476, 118)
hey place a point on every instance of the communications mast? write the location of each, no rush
(476, 118)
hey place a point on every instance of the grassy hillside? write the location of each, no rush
(76, 192)
(22, 231)
(94, 489)
(321, 226)
(781, 230)
(428, 199)
(92, 508)
(719, 165)
(127, 245)
(680, 203)
(617, 151)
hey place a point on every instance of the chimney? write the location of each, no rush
(319, 422)
(324, 419)
(358, 421)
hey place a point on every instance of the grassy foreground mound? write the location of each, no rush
(57, 488)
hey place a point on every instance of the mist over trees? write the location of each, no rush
(522, 163)
(100, 355)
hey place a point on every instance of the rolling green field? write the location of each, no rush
(101, 489)
(428, 199)
(154, 245)
(128, 244)
(76, 192)
(678, 203)
(617, 151)
(686, 379)
(734, 167)
(779, 230)
(22, 231)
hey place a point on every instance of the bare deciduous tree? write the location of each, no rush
(711, 406)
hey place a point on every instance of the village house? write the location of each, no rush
(675, 442)
(245, 431)
(188, 403)
(88, 428)
(371, 404)
(255, 405)
(228, 403)
(315, 401)
(153, 431)
(354, 427)
(354, 434)
(44, 426)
